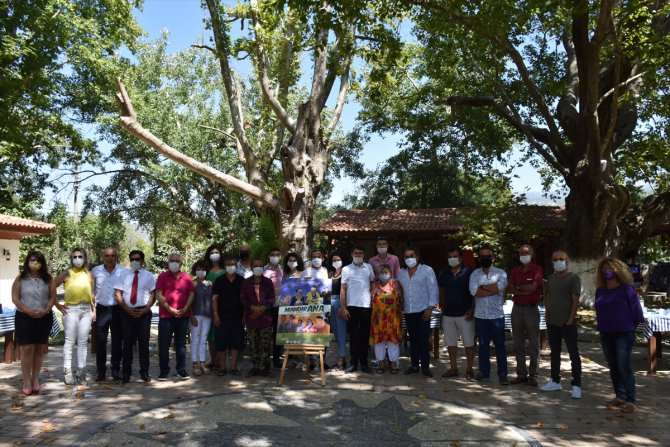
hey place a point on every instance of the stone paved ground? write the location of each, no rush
(352, 408)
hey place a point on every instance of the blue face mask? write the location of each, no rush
(384, 277)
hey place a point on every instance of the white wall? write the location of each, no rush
(8, 271)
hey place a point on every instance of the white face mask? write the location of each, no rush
(200, 273)
(274, 260)
(258, 271)
(384, 277)
(231, 269)
(525, 259)
(454, 262)
(173, 266)
(317, 262)
(410, 262)
(382, 250)
(560, 266)
(135, 265)
(77, 262)
(215, 257)
(357, 260)
(337, 264)
(292, 264)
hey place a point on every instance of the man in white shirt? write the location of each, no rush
(135, 294)
(420, 295)
(108, 313)
(357, 279)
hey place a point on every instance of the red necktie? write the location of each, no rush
(133, 290)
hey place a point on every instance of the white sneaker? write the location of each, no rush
(551, 386)
(576, 392)
(69, 377)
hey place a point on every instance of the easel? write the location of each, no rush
(307, 350)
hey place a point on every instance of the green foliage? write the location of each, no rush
(58, 59)
(92, 232)
(179, 97)
(654, 250)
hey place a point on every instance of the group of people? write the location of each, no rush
(227, 300)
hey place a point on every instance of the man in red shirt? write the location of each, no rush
(526, 284)
(174, 293)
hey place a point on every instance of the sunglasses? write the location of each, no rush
(135, 259)
(77, 257)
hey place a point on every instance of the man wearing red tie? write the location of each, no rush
(135, 295)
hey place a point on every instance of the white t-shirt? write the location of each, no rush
(358, 279)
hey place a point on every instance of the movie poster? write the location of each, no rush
(302, 312)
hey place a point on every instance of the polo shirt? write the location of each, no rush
(175, 291)
(533, 275)
(105, 283)
(457, 298)
(358, 279)
(145, 285)
(391, 260)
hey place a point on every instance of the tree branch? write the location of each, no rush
(129, 122)
(264, 80)
(341, 97)
(535, 135)
(205, 47)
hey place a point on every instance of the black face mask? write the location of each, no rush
(244, 255)
(486, 262)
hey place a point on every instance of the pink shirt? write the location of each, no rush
(275, 274)
(391, 260)
(175, 291)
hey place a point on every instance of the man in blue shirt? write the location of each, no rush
(458, 308)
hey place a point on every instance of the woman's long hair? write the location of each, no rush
(43, 272)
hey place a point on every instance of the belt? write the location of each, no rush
(106, 307)
(525, 305)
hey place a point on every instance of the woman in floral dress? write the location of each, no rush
(386, 326)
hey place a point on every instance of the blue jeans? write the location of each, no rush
(338, 326)
(617, 347)
(166, 328)
(487, 330)
(419, 333)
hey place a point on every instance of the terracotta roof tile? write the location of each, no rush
(436, 220)
(18, 224)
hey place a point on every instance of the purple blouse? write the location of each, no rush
(618, 309)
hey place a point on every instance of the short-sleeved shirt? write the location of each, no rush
(358, 279)
(202, 299)
(391, 260)
(145, 285)
(457, 298)
(105, 282)
(489, 307)
(560, 289)
(534, 275)
(228, 304)
(175, 291)
(275, 274)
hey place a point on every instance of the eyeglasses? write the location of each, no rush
(135, 259)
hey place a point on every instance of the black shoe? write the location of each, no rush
(503, 380)
(265, 372)
(125, 379)
(116, 374)
(352, 368)
(145, 377)
(480, 376)
(427, 372)
(253, 372)
(366, 369)
(326, 366)
(312, 366)
(411, 370)
(182, 375)
(162, 377)
(100, 378)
